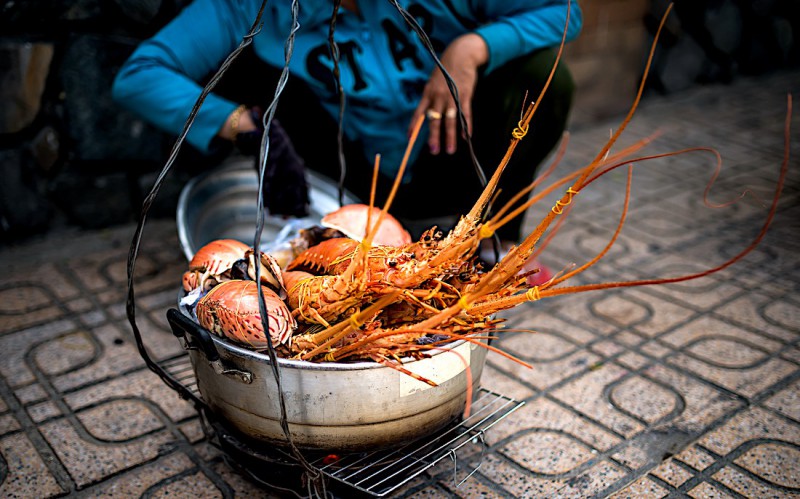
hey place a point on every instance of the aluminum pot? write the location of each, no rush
(330, 405)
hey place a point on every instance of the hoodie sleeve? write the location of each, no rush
(515, 28)
(159, 81)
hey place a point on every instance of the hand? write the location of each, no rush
(461, 59)
(250, 132)
(240, 120)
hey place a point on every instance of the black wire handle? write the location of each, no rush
(314, 473)
(334, 48)
(316, 482)
(130, 305)
(426, 41)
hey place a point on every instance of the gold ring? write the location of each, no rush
(450, 113)
(433, 115)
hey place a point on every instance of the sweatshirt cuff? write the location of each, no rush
(210, 118)
(503, 42)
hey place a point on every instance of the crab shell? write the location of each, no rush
(211, 261)
(351, 220)
(270, 272)
(230, 310)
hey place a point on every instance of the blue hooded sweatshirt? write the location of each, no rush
(383, 64)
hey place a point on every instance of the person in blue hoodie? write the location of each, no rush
(497, 52)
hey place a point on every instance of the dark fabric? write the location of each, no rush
(286, 190)
(285, 185)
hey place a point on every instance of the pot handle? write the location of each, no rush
(194, 337)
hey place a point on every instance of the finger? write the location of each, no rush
(435, 126)
(424, 104)
(414, 118)
(451, 129)
(466, 109)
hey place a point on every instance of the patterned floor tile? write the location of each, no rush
(702, 403)
(750, 486)
(8, 424)
(786, 401)
(643, 399)
(194, 485)
(671, 473)
(642, 487)
(696, 458)
(588, 394)
(119, 420)
(147, 479)
(752, 425)
(776, 319)
(24, 469)
(707, 491)
(545, 415)
(89, 461)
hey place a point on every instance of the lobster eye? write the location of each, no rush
(392, 263)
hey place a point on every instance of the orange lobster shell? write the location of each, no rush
(325, 257)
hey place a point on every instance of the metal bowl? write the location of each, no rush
(224, 204)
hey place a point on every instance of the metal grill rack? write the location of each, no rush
(181, 369)
(381, 473)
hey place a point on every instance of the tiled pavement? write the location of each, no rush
(685, 389)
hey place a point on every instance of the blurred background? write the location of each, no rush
(70, 158)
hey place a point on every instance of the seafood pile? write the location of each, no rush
(326, 290)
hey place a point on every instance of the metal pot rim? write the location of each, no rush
(320, 366)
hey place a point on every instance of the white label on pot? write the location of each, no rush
(440, 368)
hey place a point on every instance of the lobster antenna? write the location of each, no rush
(522, 129)
(373, 188)
(395, 186)
(527, 245)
